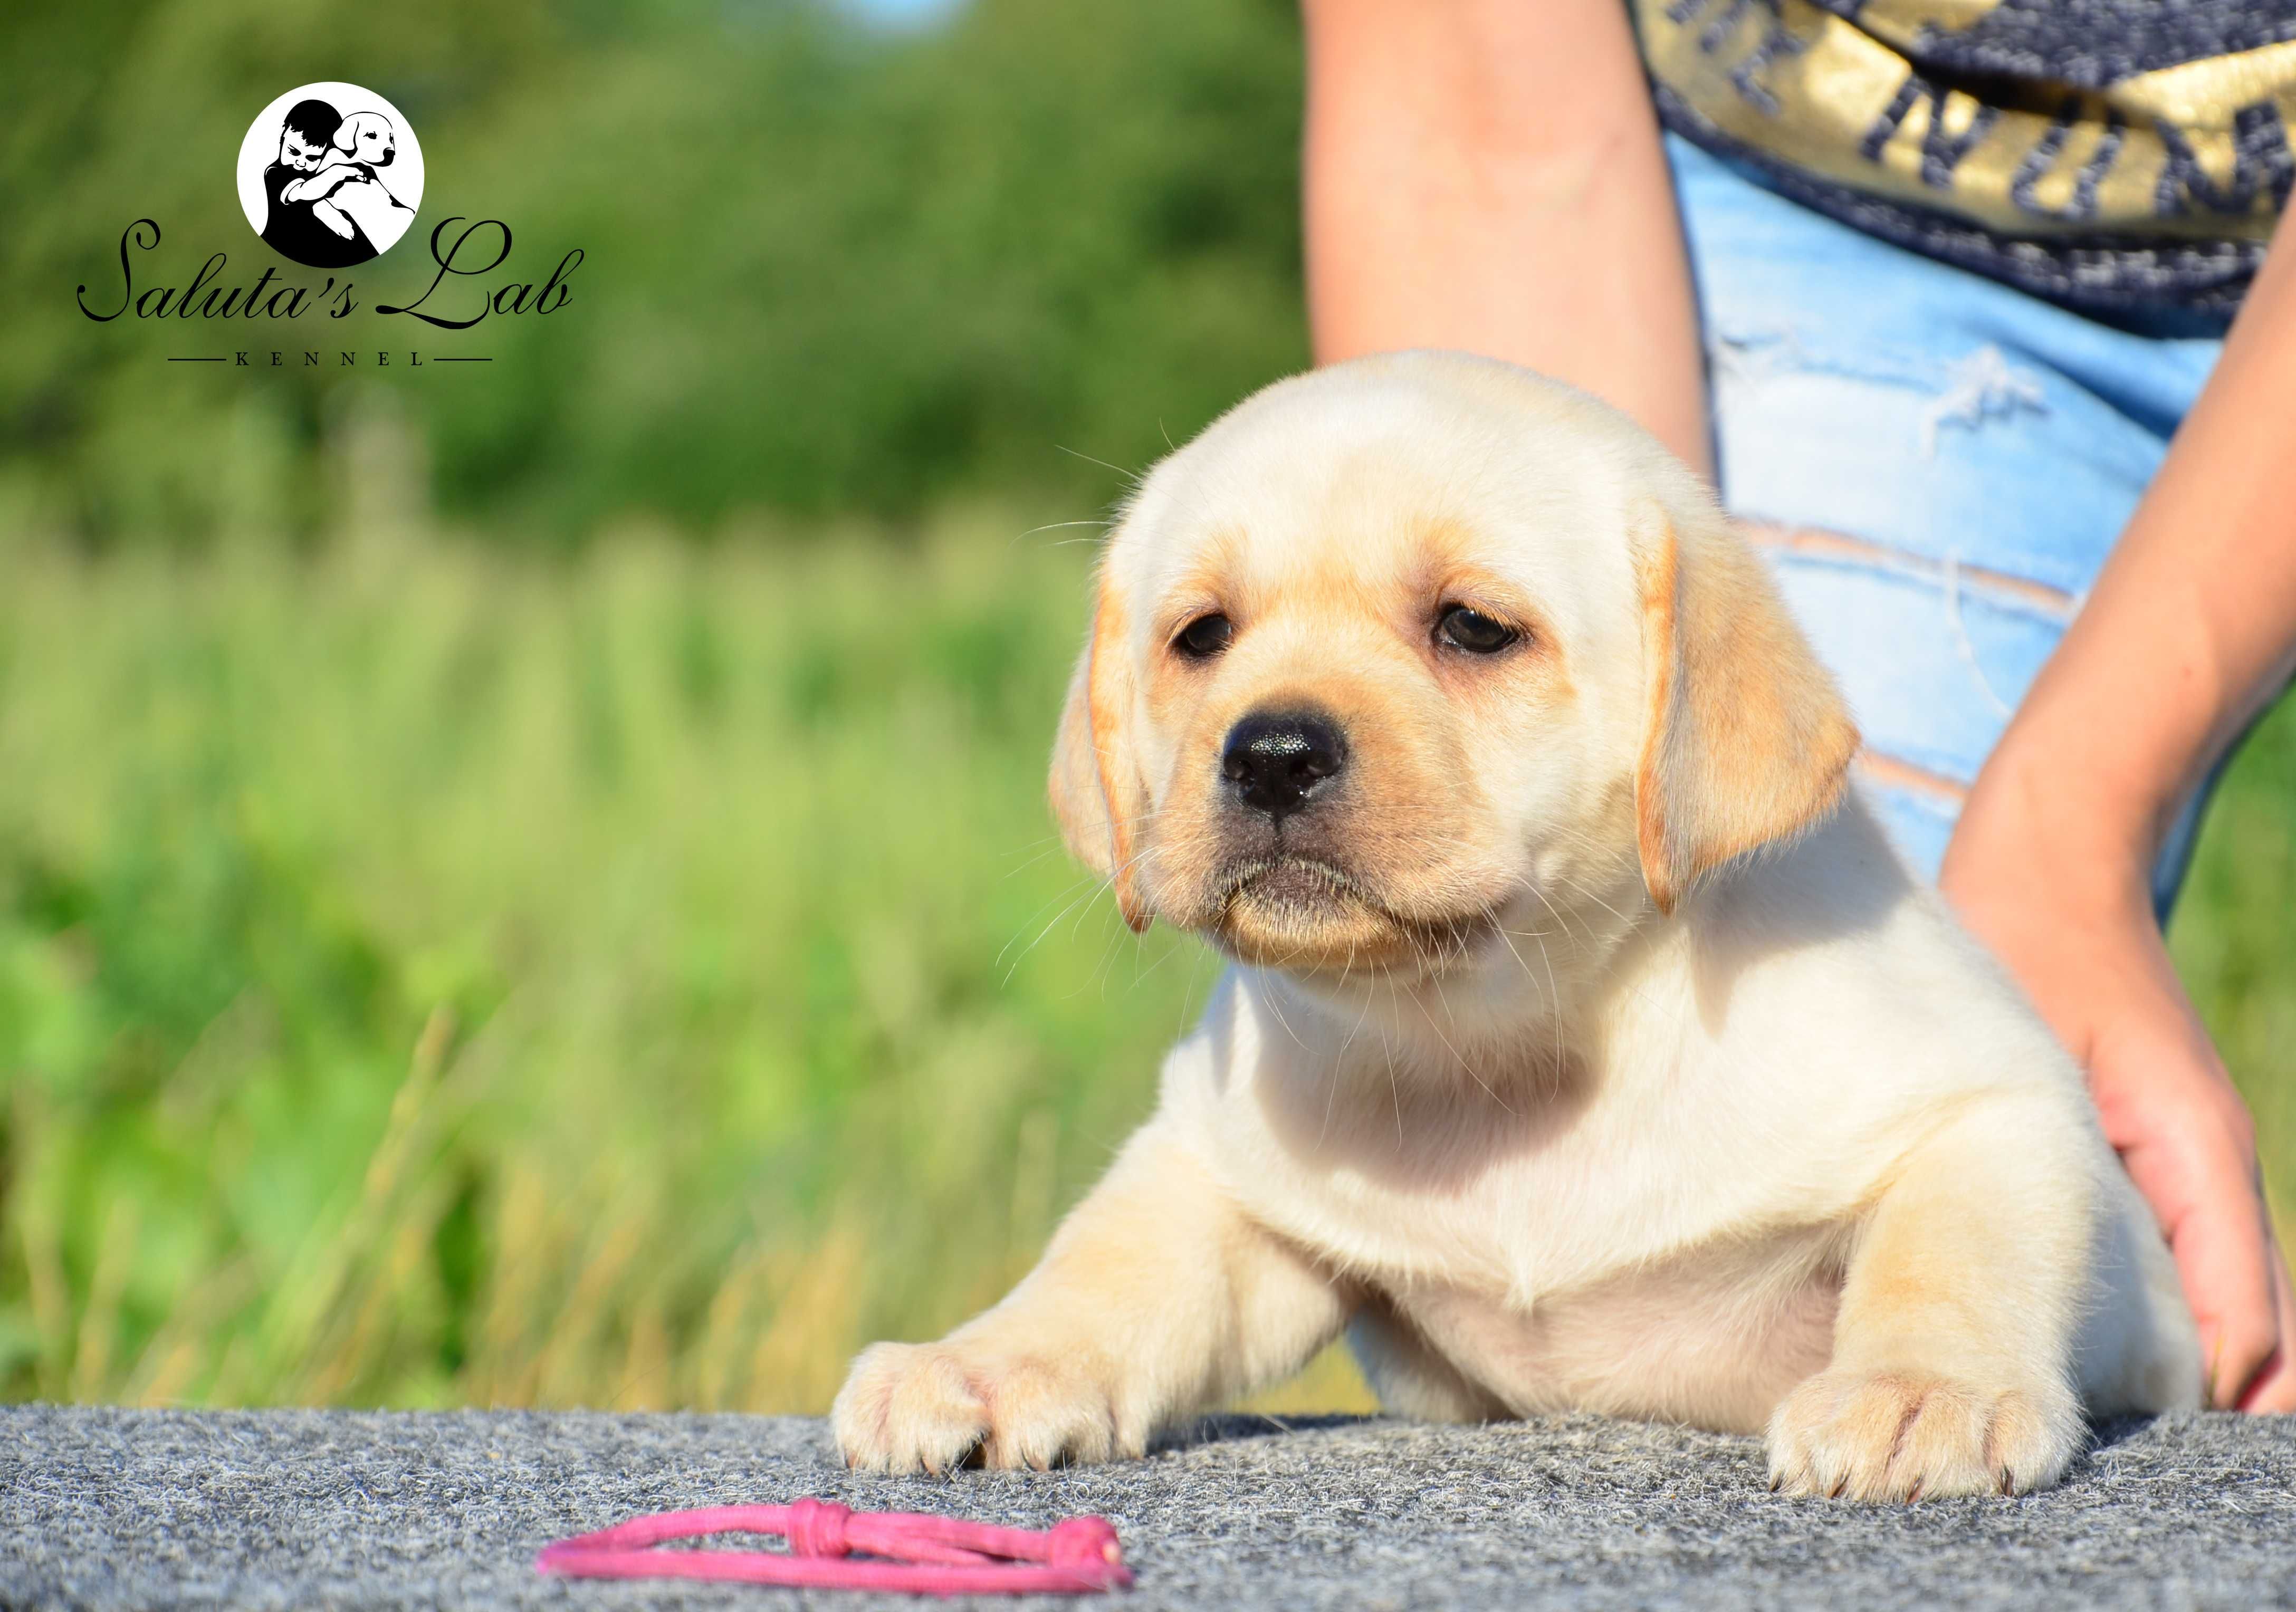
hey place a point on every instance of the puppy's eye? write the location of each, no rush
(1205, 637)
(1473, 632)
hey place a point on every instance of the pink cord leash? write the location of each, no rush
(923, 1554)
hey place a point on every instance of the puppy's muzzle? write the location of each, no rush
(1278, 763)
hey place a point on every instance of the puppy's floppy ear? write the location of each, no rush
(346, 140)
(1097, 792)
(1745, 740)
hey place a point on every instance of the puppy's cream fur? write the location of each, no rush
(1587, 1046)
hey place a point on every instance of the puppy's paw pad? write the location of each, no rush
(1910, 1435)
(908, 1408)
(928, 1407)
(1045, 1417)
(2032, 1439)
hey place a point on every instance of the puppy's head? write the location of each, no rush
(1404, 653)
(367, 138)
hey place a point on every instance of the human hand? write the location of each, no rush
(2071, 916)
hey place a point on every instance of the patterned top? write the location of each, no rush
(2118, 156)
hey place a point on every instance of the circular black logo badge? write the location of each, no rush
(330, 175)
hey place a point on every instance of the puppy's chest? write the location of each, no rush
(1714, 1336)
(1488, 1198)
(1608, 1270)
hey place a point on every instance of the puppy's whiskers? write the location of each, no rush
(1554, 992)
(1393, 1086)
(1332, 1086)
(1597, 900)
(1056, 526)
(1067, 896)
(1074, 904)
(1132, 478)
(1506, 938)
(1276, 1007)
(1459, 1056)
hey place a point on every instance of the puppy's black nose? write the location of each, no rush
(1275, 759)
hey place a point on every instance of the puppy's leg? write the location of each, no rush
(1953, 1355)
(2139, 1348)
(1156, 1299)
(1410, 1378)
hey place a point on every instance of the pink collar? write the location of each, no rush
(923, 1554)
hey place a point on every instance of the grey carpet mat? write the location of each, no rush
(153, 1510)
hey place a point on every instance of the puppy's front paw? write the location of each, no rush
(927, 1407)
(1875, 1436)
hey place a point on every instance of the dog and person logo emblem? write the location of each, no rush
(330, 175)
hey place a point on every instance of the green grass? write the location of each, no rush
(430, 977)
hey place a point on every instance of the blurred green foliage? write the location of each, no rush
(430, 976)
(824, 268)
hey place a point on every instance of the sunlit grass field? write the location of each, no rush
(430, 976)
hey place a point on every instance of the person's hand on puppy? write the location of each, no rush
(2073, 920)
(2188, 633)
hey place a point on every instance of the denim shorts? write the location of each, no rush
(1936, 467)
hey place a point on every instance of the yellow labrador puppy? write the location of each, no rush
(1587, 1046)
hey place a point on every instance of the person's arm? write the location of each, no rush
(325, 182)
(2190, 628)
(1486, 174)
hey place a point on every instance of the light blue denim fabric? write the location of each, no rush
(1988, 446)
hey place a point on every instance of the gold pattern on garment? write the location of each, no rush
(1818, 93)
(1903, 23)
